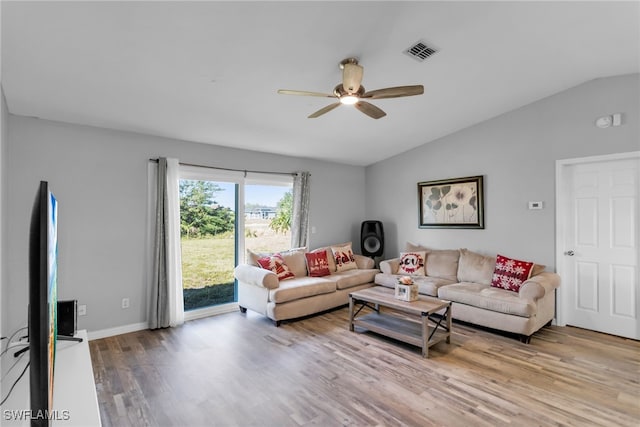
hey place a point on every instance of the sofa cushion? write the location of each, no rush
(443, 263)
(276, 264)
(510, 273)
(296, 261)
(426, 285)
(344, 258)
(390, 266)
(537, 269)
(412, 247)
(364, 262)
(317, 264)
(301, 287)
(351, 278)
(412, 263)
(473, 267)
(294, 258)
(488, 298)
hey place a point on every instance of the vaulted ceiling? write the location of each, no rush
(209, 71)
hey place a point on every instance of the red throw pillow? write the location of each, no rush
(276, 264)
(510, 273)
(317, 264)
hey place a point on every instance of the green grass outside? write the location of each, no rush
(207, 272)
(208, 263)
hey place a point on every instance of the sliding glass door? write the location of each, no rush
(221, 214)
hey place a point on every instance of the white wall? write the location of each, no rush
(100, 179)
(516, 153)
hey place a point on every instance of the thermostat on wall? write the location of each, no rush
(535, 205)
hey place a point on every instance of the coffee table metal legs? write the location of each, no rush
(426, 333)
(351, 313)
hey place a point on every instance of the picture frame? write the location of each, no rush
(451, 203)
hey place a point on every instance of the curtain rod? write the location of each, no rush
(230, 169)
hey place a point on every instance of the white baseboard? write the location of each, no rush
(104, 333)
(189, 315)
(211, 311)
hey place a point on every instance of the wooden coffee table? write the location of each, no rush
(412, 322)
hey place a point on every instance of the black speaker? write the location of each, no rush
(68, 317)
(372, 238)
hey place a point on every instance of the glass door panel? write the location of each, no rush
(267, 213)
(208, 229)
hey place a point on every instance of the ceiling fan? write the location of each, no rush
(351, 92)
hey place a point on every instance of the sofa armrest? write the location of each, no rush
(539, 285)
(390, 266)
(364, 262)
(257, 276)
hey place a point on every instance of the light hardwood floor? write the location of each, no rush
(239, 370)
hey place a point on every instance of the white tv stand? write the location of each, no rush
(75, 402)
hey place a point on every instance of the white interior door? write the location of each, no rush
(598, 253)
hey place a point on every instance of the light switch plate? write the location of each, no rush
(617, 119)
(535, 205)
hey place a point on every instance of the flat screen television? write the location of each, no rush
(43, 271)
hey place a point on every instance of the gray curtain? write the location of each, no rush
(300, 211)
(159, 310)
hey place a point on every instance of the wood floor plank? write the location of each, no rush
(239, 370)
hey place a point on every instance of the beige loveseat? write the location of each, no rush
(464, 278)
(260, 290)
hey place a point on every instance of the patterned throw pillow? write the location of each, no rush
(412, 263)
(317, 264)
(344, 258)
(510, 273)
(276, 264)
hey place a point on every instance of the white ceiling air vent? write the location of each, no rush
(420, 51)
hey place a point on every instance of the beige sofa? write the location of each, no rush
(464, 278)
(260, 289)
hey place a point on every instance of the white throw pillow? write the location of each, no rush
(344, 258)
(412, 263)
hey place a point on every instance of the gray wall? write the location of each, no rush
(4, 118)
(516, 153)
(100, 179)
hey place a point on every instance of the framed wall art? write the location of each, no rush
(451, 203)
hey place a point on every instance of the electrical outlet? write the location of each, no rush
(125, 302)
(82, 310)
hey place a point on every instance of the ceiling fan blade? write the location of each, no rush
(352, 77)
(394, 92)
(370, 109)
(305, 93)
(324, 110)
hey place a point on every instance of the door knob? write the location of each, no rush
(569, 253)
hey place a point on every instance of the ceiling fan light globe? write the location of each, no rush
(349, 99)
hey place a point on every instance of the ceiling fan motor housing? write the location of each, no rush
(351, 75)
(351, 92)
(340, 91)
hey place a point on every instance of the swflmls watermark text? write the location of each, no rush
(27, 414)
